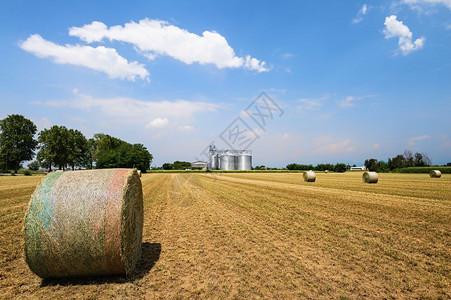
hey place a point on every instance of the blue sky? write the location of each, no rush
(350, 80)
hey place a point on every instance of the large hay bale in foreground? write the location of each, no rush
(309, 176)
(85, 223)
(370, 177)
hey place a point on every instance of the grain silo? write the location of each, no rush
(244, 161)
(214, 161)
(227, 161)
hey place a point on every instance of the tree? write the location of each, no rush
(17, 142)
(78, 154)
(167, 166)
(54, 147)
(295, 166)
(111, 152)
(409, 158)
(371, 164)
(34, 165)
(340, 167)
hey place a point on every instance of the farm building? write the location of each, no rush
(199, 164)
(362, 168)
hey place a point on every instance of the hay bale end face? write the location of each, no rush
(309, 176)
(370, 177)
(435, 174)
(85, 223)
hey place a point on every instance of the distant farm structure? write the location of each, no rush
(230, 159)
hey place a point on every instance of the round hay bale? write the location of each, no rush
(326, 171)
(370, 177)
(309, 176)
(435, 174)
(85, 223)
(139, 173)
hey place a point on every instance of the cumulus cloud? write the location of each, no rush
(158, 123)
(412, 141)
(375, 147)
(99, 58)
(359, 17)
(186, 128)
(331, 148)
(395, 28)
(152, 114)
(417, 3)
(311, 103)
(350, 100)
(154, 37)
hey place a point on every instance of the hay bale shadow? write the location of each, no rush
(150, 254)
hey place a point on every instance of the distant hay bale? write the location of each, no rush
(435, 174)
(85, 223)
(326, 171)
(139, 173)
(309, 176)
(370, 177)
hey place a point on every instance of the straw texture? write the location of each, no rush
(435, 174)
(309, 176)
(85, 223)
(370, 177)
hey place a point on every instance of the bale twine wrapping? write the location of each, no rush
(85, 223)
(435, 174)
(309, 176)
(370, 177)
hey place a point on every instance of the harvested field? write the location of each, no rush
(263, 235)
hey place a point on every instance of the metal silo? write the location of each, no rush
(214, 163)
(227, 161)
(244, 161)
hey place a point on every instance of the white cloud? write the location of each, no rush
(150, 114)
(395, 28)
(154, 37)
(311, 103)
(157, 123)
(359, 17)
(412, 141)
(186, 128)
(375, 147)
(416, 3)
(100, 58)
(350, 100)
(332, 148)
(42, 123)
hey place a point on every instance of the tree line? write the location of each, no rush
(176, 165)
(405, 160)
(63, 148)
(339, 167)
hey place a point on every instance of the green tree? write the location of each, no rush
(167, 166)
(17, 142)
(54, 147)
(181, 165)
(340, 167)
(371, 164)
(78, 154)
(34, 165)
(111, 152)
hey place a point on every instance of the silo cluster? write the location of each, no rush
(230, 159)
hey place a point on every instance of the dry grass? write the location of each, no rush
(264, 236)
